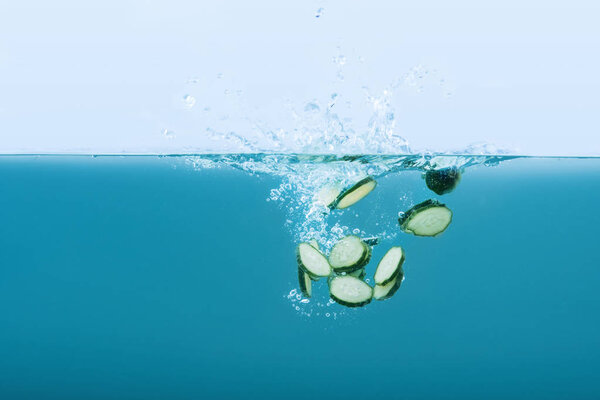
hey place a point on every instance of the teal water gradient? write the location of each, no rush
(124, 277)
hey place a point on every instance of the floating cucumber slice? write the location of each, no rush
(383, 292)
(305, 283)
(390, 265)
(354, 193)
(429, 218)
(314, 244)
(359, 273)
(442, 181)
(350, 291)
(312, 261)
(349, 254)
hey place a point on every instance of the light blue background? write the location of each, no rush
(108, 76)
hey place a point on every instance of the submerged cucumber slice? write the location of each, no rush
(429, 218)
(328, 195)
(390, 265)
(442, 181)
(355, 193)
(359, 273)
(383, 292)
(349, 254)
(312, 261)
(350, 291)
(314, 244)
(305, 283)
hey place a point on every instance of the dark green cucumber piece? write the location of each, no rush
(349, 254)
(312, 261)
(371, 241)
(354, 193)
(390, 266)
(383, 292)
(442, 181)
(350, 291)
(429, 218)
(305, 283)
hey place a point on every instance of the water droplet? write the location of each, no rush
(356, 231)
(319, 12)
(168, 134)
(327, 315)
(189, 101)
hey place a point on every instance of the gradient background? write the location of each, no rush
(108, 76)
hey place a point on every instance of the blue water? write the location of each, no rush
(146, 278)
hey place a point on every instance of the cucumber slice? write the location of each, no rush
(349, 254)
(314, 244)
(386, 291)
(305, 283)
(312, 261)
(359, 273)
(429, 218)
(355, 193)
(328, 195)
(442, 181)
(390, 265)
(350, 291)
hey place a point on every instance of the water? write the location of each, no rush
(175, 277)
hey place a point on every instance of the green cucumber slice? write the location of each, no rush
(383, 292)
(442, 181)
(349, 254)
(429, 218)
(359, 273)
(328, 195)
(314, 244)
(350, 291)
(390, 265)
(312, 261)
(354, 193)
(305, 283)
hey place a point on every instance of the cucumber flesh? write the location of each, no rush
(349, 254)
(429, 218)
(390, 265)
(442, 181)
(350, 291)
(328, 195)
(383, 292)
(312, 261)
(305, 283)
(314, 244)
(355, 193)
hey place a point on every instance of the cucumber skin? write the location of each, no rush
(349, 190)
(395, 274)
(301, 265)
(403, 220)
(351, 305)
(442, 181)
(303, 287)
(360, 264)
(395, 288)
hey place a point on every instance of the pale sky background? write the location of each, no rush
(110, 76)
